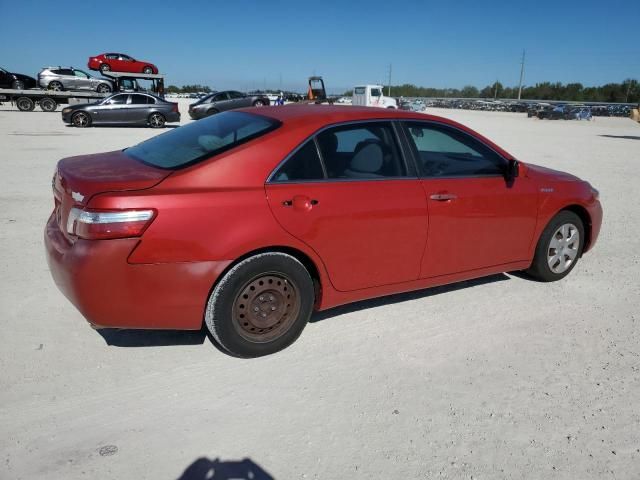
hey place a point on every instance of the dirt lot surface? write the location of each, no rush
(496, 378)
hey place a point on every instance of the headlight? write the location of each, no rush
(67, 110)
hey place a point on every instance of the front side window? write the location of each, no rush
(361, 151)
(117, 100)
(200, 140)
(447, 152)
(125, 58)
(220, 97)
(303, 165)
(376, 92)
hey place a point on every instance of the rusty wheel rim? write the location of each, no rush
(266, 307)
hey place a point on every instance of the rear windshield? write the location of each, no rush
(202, 139)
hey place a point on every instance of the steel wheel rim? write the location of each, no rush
(24, 105)
(47, 105)
(148, 71)
(104, 67)
(103, 89)
(80, 120)
(155, 120)
(56, 87)
(563, 248)
(266, 307)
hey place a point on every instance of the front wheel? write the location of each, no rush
(103, 88)
(156, 120)
(559, 247)
(81, 120)
(25, 104)
(261, 305)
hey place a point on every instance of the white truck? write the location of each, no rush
(371, 96)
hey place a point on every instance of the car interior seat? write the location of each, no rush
(366, 163)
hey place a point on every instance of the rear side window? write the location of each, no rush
(361, 151)
(141, 99)
(303, 165)
(203, 139)
(447, 152)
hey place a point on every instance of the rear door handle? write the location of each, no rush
(301, 202)
(443, 197)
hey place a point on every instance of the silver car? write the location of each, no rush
(69, 78)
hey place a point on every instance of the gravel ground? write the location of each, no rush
(496, 378)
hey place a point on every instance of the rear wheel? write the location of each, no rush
(559, 247)
(48, 104)
(55, 86)
(258, 103)
(25, 104)
(156, 120)
(261, 305)
(147, 70)
(104, 67)
(81, 120)
(17, 85)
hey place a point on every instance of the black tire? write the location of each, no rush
(81, 119)
(103, 88)
(104, 67)
(258, 103)
(48, 104)
(25, 104)
(156, 120)
(244, 337)
(540, 268)
(147, 70)
(17, 85)
(55, 86)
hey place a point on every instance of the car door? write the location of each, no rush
(83, 81)
(221, 102)
(137, 109)
(350, 196)
(238, 100)
(112, 110)
(477, 216)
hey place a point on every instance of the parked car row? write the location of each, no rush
(217, 102)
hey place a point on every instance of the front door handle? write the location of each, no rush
(301, 202)
(443, 197)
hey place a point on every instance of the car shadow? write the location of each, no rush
(627, 137)
(123, 126)
(116, 337)
(405, 297)
(124, 337)
(205, 469)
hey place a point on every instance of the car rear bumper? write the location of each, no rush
(173, 117)
(98, 280)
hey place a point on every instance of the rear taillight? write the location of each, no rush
(175, 108)
(105, 224)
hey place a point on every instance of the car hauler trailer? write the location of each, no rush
(48, 100)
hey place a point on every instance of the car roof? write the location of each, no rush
(313, 116)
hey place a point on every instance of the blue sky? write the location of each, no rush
(278, 44)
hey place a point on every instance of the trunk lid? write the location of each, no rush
(78, 179)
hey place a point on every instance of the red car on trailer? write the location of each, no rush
(119, 62)
(250, 220)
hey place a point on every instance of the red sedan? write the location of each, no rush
(119, 62)
(249, 221)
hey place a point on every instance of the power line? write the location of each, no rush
(521, 75)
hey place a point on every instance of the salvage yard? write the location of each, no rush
(500, 377)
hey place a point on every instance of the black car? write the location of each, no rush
(123, 109)
(220, 101)
(17, 81)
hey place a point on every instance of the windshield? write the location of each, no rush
(199, 140)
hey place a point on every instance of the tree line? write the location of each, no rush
(188, 89)
(626, 92)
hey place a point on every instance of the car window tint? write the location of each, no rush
(303, 165)
(118, 100)
(235, 95)
(203, 139)
(65, 71)
(447, 152)
(220, 97)
(139, 99)
(364, 151)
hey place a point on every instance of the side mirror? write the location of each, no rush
(513, 169)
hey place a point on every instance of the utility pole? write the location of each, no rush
(495, 90)
(389, 84)
(521, 76)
